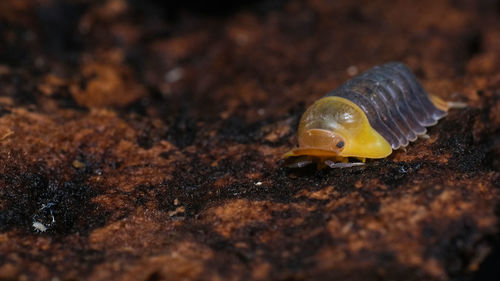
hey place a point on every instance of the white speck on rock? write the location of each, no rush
(174, 75)
(39, 227)
(352, 70)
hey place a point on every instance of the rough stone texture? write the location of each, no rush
(145, 139)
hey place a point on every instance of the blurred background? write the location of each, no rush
(146, 138)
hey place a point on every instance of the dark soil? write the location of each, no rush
(142, 140)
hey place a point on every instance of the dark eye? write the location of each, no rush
(340, 144)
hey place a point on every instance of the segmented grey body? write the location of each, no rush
(395, 103)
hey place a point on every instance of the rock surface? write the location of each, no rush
(141, 141)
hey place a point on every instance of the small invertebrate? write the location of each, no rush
(44, 218)
(369, 116)
(39, 227)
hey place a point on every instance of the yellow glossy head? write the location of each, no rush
(336, 127)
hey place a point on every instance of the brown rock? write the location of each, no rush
(146, 137)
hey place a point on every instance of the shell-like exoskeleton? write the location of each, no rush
(369, 116)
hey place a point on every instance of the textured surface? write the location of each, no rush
(146, 139)
(394, 102)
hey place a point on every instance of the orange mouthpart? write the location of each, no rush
(310, 152)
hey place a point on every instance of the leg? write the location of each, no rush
(332, 164)
(300, 163)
